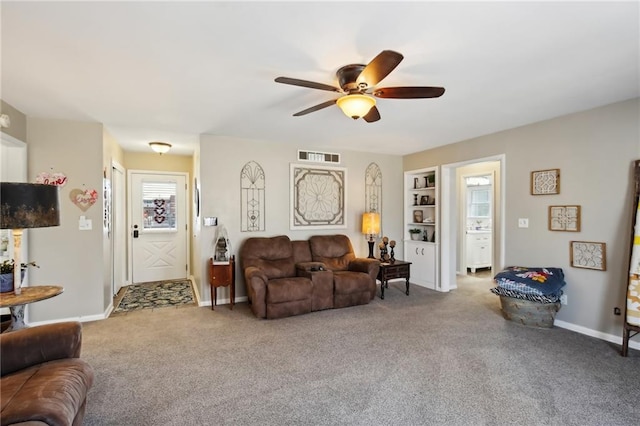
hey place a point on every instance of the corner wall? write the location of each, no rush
(67, 256)
(594, 150)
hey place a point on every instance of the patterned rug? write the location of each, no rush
(156, 295)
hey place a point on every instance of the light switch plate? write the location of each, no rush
(523, 223)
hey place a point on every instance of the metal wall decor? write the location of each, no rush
(373, 189)
(318, 197)
(564, 218)
(545, 182)
(252, 198)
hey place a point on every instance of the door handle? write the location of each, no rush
(416, 250)
(135, 231)
(423, 252)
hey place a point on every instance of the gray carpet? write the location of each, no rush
(426, 359)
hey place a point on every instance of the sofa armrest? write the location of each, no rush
(31, 346)
(256, 281)
(366, 265)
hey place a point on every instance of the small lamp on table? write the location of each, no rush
(371, 226)
(26, 205)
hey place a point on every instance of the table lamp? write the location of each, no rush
(371, 226)
(26, 205)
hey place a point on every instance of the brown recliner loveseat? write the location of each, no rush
(44, 382)
(286, 278)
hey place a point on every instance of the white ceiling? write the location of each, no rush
(171, 71)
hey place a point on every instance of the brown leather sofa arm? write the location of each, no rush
(366, 265)
(257, 280)
(30, 346)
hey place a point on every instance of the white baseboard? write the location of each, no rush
(597, 334)
(87, 318)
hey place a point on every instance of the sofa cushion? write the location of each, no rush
(335, 251)
(52, 392)
(347, 282)
(274, 256)
(281, 290)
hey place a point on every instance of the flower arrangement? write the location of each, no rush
(7, 266)
(414, 231)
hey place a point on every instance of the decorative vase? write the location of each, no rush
(6, 282)
(415, 237)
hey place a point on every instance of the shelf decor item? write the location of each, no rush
(417, 216)
(371, 226)
(564, 218)
(589, 255)
(545, 182)
(415, 233)
(26, 205)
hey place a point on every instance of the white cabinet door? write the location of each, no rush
(423, 263)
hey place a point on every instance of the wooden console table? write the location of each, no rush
(222, 274)
(16, 302)
(391, 270)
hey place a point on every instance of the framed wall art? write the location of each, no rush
(564, 218)
(589, 255)
(318, 197)
(545, 182)
(252, 198)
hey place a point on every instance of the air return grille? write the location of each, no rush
(319, 157)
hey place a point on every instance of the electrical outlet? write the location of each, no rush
(564, 300)
(616, 311)
(523, 223)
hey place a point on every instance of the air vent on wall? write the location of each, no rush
(319, 157)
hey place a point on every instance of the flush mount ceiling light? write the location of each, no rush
(160, 147)
(356, 106)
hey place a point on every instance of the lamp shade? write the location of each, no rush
(356, 106)
(28, 205)
(370, 223)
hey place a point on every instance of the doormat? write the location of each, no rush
(160, 294)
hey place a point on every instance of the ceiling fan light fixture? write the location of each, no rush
(160, 147)
(356, 105)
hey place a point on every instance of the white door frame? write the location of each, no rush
(130, 218)
(449, 222)
(118, 227)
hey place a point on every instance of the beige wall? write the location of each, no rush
(18, 127)
(157, 162)
(594, 150)
(67, 256)
(224, 159)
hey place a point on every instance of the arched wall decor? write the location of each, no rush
(373, 189)
(252, 198)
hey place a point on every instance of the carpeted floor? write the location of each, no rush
(153, 295)
(425, 359)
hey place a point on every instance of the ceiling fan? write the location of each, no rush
(357, 83)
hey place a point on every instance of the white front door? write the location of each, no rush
(158, 226)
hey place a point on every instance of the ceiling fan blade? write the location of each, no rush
(379, 67)
(305, 83)
(315, 108)
(409, 92)
(372, 115)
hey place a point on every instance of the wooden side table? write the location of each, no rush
(16, 302)
(391, 270)
(222, 274)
